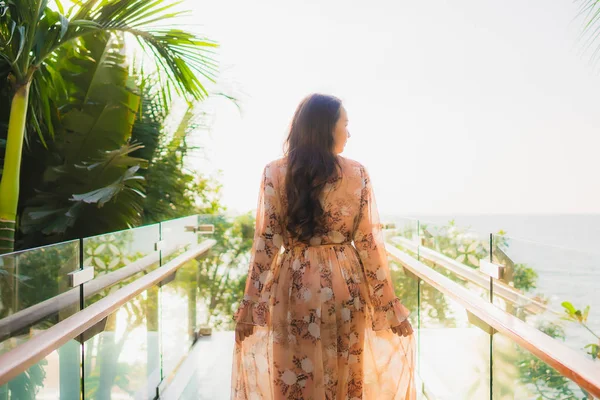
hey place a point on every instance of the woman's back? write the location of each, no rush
(340, 199)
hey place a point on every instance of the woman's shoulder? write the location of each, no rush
(277, 164)
(276, 168)
(352, 166)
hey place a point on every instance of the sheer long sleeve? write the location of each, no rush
(386, 309)
(268, 239)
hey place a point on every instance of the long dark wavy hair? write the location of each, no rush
(311, 163)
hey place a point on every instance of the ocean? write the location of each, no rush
(564, 250)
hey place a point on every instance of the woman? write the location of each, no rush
(320, 320)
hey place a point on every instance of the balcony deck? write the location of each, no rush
(206, 373)
(467, 344)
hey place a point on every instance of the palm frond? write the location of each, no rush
(589, 11)
(179, 56)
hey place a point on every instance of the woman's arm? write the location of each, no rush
(254, 308)
(386, 309)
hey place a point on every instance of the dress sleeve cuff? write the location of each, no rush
(253, 313)
(389, 315)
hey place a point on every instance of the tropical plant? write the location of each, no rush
(32, 35)
(86, 172)
(172, 190)
(580, 317)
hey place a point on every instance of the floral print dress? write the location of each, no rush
(323, 311)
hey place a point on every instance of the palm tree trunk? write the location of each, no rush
(9, 185)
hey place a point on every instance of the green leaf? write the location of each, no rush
(568, 307)
(64, 25)
(586, 312)
(107, 193)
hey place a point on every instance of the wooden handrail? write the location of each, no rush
(568, 362)
(474, 276)
(32, 315)
(35, 349)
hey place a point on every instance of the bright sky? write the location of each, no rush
(468, 106)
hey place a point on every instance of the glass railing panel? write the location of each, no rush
(121, 353)
(118, 259)
(177, 236)
(518, 374)
(406, 287)
(57, 376)
(404, 234)
(35, 294)
(456, 253)
(222, 273)
(555, 290)
(454, 349)
(181, 314)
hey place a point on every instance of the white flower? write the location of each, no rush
(336, 237)
(314, 330)
(326, 294)
(268, 172)
(380, 274)
(296, 265)
(277, 240)
(352, 359)
(357, 303)
(346, 314)
(345, 211)
(260, 244)
(358, 236)
(263, 276)
(261, 363)
(256, 284)
(307, 365)
(306, 318)
(353, 338)
(269, 191)
(289, 377)
(364, 255)
(315, 241)
(319, 312)
(306, 294)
